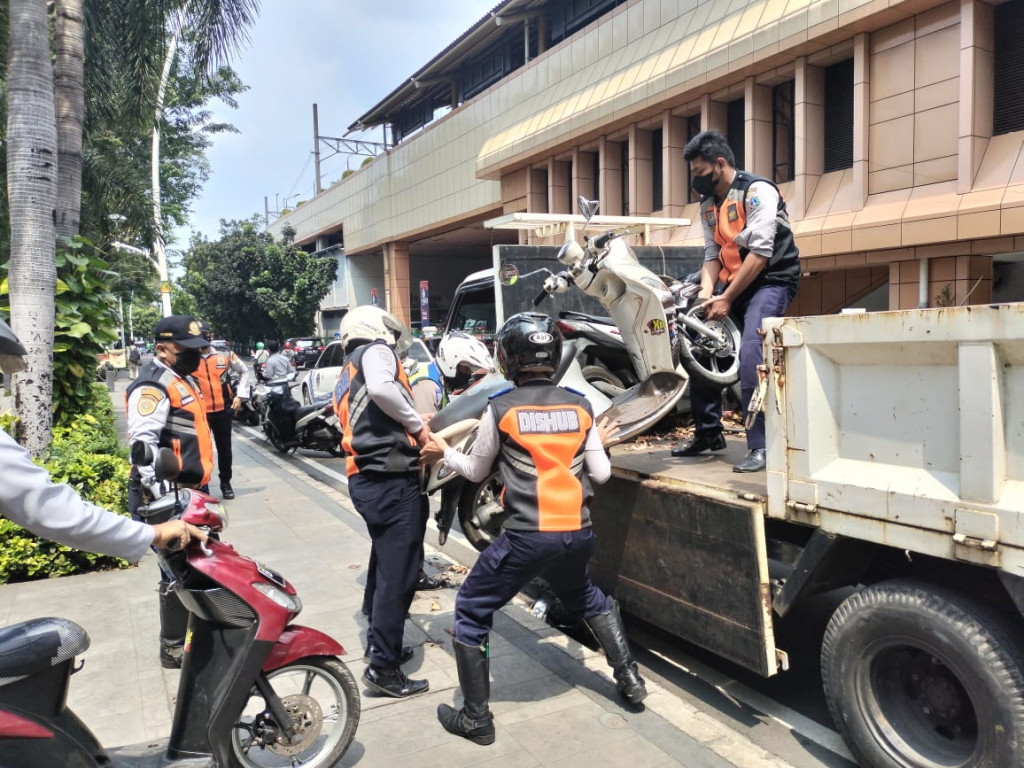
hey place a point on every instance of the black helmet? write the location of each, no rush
(529, 341)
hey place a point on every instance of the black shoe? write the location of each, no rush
(700, 443)
(393, 682)
(226, 492)
(754, 462)
(171, 656)
(406, 654)
(426, 583)
(611, 635)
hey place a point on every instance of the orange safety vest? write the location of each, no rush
(374, 443)
(542, 430)
(212, 376)
(186, 431)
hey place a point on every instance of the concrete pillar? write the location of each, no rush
(537, 190)
(396, 280)
(584, 181)
(977, 63)
(610, 181)
(559, 187)
(758, 128)
(713, 114)
(861, 118)
(676, 177)
(641, 197)
(809, 116)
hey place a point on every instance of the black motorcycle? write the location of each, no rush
(290, 425)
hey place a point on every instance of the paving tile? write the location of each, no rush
(584, 726)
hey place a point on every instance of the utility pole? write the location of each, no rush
(316, 149)
(266, 210)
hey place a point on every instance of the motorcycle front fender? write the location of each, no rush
(298, 642)
(445, 515)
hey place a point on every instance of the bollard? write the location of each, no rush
(110, 378)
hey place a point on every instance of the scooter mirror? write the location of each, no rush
(508, 274)
(588, 208)
(167, 465)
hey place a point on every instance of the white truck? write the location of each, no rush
(895, 473)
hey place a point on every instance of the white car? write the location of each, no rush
(319, 382)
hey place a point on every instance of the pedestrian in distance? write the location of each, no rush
(259, 360)
(54, 511)
(220, 400)
(751, 270)
(165, 409)
(548, 449)
(277, 366)
(134, 359)
(382, 435)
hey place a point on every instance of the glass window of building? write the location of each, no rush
(1008, 104)
(736, 131)
(839, 116)
(657, 171)
(783, 131)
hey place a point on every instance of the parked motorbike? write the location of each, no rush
(289, 425)
(255, 689)
(248, 413)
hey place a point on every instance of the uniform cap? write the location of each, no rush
(181, 329)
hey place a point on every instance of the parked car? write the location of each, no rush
(319, 383)
(306, 350)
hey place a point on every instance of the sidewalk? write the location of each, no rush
(554, 701)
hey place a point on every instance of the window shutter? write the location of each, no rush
(839, 116)
(1008, 107)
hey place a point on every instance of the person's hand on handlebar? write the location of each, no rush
(433, 451)
(175, 535)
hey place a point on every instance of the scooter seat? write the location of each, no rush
(32, 646)
(568, 314)
(305, 410)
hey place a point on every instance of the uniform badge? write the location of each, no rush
(709, 217)
(147, 404)
(753, 201)
(733, 214)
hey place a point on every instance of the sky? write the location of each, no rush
(344, 55)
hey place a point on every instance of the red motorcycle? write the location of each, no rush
(255, 689)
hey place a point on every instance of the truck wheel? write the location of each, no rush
(603, 380)
(918, 676)
(480, 511)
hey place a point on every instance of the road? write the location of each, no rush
(785, 715)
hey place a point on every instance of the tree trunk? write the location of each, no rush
(158, 216)
(32, 194)
(69, 91)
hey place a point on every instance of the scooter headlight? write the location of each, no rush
(279, 596)
(570, 253)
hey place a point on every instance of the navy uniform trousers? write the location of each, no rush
(512, 560)
(395, 512)
(706, 399)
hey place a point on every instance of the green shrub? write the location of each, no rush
(86, 456)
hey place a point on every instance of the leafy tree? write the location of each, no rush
(248, 287)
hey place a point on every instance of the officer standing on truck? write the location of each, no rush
(165, 410)
(382, 435)
(549, 449)
(751, 270)
(220, 400)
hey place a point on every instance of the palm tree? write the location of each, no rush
(31, 191)
(69, 93)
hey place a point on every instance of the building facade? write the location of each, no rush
(894, 130)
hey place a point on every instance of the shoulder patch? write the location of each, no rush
(147, 404)
(152, 392)
(753, 201)
(501, 392)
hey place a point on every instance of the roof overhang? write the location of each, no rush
(555, 224)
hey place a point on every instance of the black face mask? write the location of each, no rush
(186, 362)
(704, 185)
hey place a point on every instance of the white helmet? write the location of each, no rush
(370, 323)
(459, 347)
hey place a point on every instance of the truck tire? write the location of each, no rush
(918, 676)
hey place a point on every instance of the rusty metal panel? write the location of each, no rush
(691, 563)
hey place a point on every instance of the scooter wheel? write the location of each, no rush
(321, 696)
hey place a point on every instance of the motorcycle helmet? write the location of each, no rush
(459, 347)
(528, 342)
(11, 351)
(368, 323)
(204, 330)
(259, 345)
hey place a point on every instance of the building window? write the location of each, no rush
(657, 171)
(570, 203)
(1008, 104)
(783, 132)
(839, 116)
(692, 129)
(624, 177)
(736, 130)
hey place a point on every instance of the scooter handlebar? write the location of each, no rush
(602, 240)
(540, 297)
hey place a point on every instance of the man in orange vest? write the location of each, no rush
(165, 410)
(220, 400)
(751, 270)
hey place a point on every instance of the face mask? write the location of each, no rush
(704, 185)
(186, 362)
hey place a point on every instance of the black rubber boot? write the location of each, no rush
(173, 626)
(474, 720)
(611, 634)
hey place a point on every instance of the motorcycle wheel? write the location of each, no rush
(603, 380)
(322, 697)
(703, 358)
(480, 511)
(275, 439)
